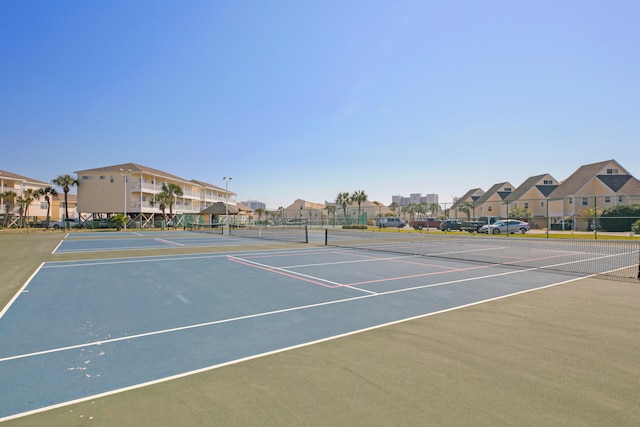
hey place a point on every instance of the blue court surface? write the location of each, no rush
(81, 329)
(132, 240)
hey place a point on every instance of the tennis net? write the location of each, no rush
(205, 228)
(293, 234)
(610, 258)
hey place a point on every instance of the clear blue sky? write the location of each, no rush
(306, 99)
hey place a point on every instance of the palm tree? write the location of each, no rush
(66, 182)
(9, 201)
(162, 200)
(343, 199)
(359, 196)
(47, 193)
(467, 207)
(394, 206)
(259, 211)
(172, 191)
(24, 200)
(434, 208)
(331, 211)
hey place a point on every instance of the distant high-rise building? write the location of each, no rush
(254, 204)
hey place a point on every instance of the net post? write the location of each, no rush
(306, 234)
(326, 236)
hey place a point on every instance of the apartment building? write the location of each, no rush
(12, 209)
(131, 189)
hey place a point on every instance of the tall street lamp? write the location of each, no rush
(124, 179)
(226, 205)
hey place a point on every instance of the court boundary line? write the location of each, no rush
(273, 352)
(263, 314)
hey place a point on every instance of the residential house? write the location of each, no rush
(532, 195)
(491, 203)
(131, 189)
(57, 212)
(459, 208)
(591, 188)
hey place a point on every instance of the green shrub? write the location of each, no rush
(354, 227)
(636, 227)
(619, 218)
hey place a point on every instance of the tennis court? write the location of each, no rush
(193, 238)
(80, 329)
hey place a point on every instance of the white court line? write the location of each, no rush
(281, 350)
(264, 314)
(21, 290)
(57, 246)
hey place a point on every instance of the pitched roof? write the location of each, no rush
(207, 185)
(579, 179)
(15, 176)
(133, 167)
(468, 195)
(528, 184)
(632, 186)
(220, 208)
(493, 190)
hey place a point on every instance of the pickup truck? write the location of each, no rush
(474, 226)
(419, 224)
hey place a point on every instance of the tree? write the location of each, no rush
(24, 200)
(47, 193)
(467, 207)
(359, 196)
(435, 209)
(118, 220)
(172, 191)
(620, 217)
(66, 182)
(523, 214)
(394, 206)
(259, 211)
(162, 200)
(343, 199)
(9, 202)
(331, 211)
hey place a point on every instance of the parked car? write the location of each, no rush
(419, 224)
(389, 221)
(506, 226)
(73, 223)
(450, 224)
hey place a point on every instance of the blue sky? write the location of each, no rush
(306, 99)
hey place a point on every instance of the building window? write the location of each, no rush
(102, 177)
(585, 201)
(43, 205)
(111, 179)
(612, 171)
(570, 200)
(507, 189)
(547, 182)
(619, 199)
(526, 205)
(542, 204)
(607, 199)
(489, 209)
(86, 177)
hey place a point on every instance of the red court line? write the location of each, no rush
(281, 272)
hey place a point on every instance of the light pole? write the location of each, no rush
(124, 179)
(226, 205)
